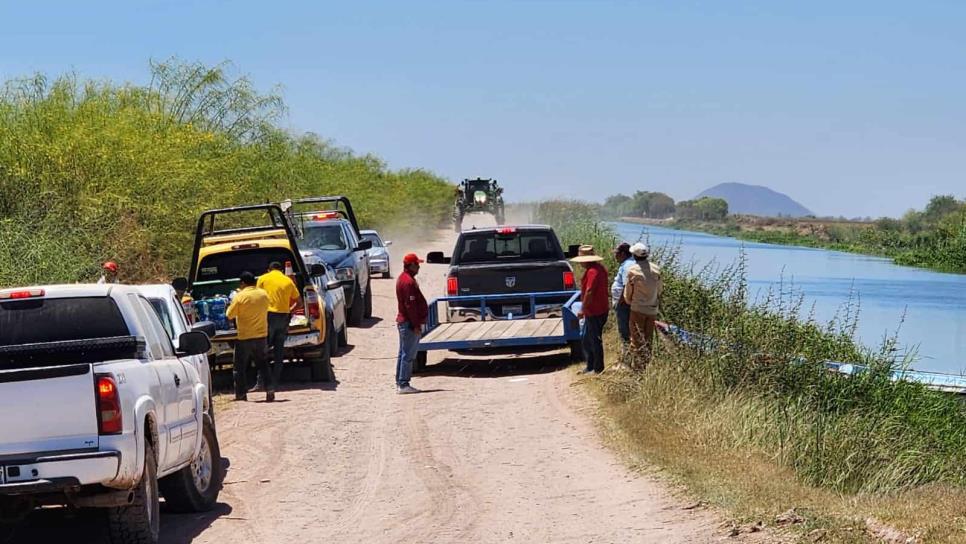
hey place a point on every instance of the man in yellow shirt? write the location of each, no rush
(283, 295)
(249, 309)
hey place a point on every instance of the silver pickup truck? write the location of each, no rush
(99, 409)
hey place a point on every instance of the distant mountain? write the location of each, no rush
(756, 200)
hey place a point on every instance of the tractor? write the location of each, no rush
(478, 195)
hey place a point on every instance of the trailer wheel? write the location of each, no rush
(419, 365)
(576, 351)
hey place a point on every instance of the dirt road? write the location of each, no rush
(499, 451)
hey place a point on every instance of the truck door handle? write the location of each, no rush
(177, 381)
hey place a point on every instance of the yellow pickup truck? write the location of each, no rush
(230, 241)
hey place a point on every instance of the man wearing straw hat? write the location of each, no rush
(594, 307)
(643, 293)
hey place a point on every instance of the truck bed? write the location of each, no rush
(477, 334)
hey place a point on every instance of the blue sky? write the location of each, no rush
(852, 108)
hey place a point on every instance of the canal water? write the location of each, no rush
(928, 308)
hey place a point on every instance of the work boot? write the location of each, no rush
(270, 396)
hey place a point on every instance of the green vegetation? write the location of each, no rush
(758, 396)
(641, 204)
(91, 171)
(705, 208)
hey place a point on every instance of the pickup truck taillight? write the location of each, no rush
(568, 278)
(312, 301)
(108, 406)
(452, 286)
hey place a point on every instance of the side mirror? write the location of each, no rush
(193, 343)
(317, 270)
(572, 251)
(387, 243)
(364, 245)
(437, 257)
(333, 285)
(206, 327)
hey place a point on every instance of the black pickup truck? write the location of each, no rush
(506, 260)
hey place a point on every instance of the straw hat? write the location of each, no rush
(586, 255)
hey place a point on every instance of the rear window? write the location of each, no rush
(374, 238)
(331, 236)
(230, 265)
(494, 246)
(39, 320)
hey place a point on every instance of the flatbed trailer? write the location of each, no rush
(525, 331)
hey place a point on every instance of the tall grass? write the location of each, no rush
(91, 171)
(758, 383)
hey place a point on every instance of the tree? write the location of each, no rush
(704, 208)
(618, 205)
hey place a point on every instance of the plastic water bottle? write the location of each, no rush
(217, 308)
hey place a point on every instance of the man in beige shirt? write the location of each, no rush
(643, 293)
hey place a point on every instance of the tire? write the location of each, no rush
(357, 310)
(419, 365)
(576, 351)
(138, 522)
(387, 274)
(195, 488)
(320, 363)
(211, 407)
(344, 336)
(368, 307)
(331, 341)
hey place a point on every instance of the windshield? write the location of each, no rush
(59, 319)
(374, 238)
(162, 310)
(329, 236)
(492, 246)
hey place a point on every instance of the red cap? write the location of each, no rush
(110, 265)
(411, 258)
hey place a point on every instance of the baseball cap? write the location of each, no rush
(411, 258)
(110, 265)
(640, 250)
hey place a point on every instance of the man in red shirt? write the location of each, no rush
(413, 312)
(594, 307)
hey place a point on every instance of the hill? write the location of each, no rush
(756, 200)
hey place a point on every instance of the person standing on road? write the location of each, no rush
(413, 311)
(283, 296)
(622, 311)
(643, 293)
(249, 309)
(594, 307)
(109, 272)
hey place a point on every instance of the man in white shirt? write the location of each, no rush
(622, 310)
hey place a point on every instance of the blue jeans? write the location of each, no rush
(593, 340)
(408, 344)
(623, 313)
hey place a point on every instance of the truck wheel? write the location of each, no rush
(419, 365)
(331, 341)
(576, 351)
(357, 310)
(344, 336)
(320, 363)
(138, 522)
(387, 274)
(368, 312)
(195, 488)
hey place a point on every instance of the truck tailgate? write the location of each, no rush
(47, 409)
(534, 277)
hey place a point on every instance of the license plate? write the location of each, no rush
(516, 309)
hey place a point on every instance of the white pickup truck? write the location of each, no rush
(98, 409)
